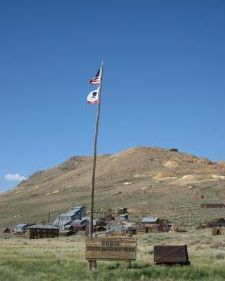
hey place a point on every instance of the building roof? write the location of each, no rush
(150, 219)
(123, 209)
(124, 215)
(43, 226)
(80, 222)
(77, 207)
(128, 224)
(72, 211)
(116, 227)
(21, 225)
(219, 220)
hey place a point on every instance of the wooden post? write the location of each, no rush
(49, 217)
(90, 265)
(128, 265)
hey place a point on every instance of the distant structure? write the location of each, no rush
(220, 222)
(21, 228)
(38, 231)
(150, 220)
(154, 224)
(213, 205)
(123, 217)
(64, 220)
(173, 149)
(78, 225)
(217, 231)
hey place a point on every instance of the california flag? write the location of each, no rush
(93, 96)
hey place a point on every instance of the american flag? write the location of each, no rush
(97, 79)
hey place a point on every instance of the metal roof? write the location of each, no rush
(21, 225)
(72, 211)
(77, 207)
(81, 220)
(48, 226)
(149, 219)
(116, 227)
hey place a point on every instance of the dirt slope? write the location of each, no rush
(150, 181)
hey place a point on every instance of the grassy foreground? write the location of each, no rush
(68, 270)
(63, 259)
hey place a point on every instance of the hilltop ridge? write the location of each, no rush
(156, 181)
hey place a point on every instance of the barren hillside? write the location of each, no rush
(150, 181)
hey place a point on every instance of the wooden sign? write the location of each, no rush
(213, 205)
(111, 248)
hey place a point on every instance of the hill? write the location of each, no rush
(154, 181)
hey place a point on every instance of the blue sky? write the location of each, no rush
(163, 82)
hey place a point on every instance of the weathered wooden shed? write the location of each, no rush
(216, 223)
(79, 225)
(213, 205)
(42, 231)
(153, 224)
(216, 231)
(149, 224)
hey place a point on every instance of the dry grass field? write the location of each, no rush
(63, 259)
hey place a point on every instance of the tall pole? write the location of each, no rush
(95, 152)
(49, 216)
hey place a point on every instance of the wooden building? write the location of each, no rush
(217, 223)
(42, 231)
(79, 225)
(217, 231)
(213, 205)
(153, 224)
(65, 219)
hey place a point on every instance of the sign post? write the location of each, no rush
(111, 249)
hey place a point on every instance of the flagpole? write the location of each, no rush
(95, 153)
